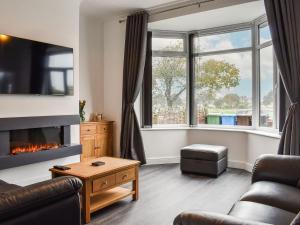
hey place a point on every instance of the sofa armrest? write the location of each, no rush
(277, 168)
(296, 220)
(206, 218)
(34, 196)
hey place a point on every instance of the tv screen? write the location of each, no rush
(32, 67)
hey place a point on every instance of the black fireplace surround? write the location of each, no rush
(26, 140)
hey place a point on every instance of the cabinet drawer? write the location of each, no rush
(104, 128)
(104, 182)
(125, 175)
(88, 129)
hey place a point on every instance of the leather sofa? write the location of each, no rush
(52, 202)
(273, 198)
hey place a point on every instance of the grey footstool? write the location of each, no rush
(204, 159)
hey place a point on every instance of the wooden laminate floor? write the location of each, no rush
(165, 192)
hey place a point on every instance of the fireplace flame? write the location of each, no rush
(33, 148)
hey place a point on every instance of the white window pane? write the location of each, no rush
(264, 34)
(61, 61)
(57, 82)
(70, 81)
(217, 42)
(266, 87)
(169, 90)
(168, 44)
(224, 89)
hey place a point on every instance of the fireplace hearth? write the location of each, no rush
(26, 140)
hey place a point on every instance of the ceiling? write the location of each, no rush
(214, 18)
(110, 8)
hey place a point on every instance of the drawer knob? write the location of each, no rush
(124, 177)
(88, 130)
(104, 183)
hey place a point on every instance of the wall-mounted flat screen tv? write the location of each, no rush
(32, 67)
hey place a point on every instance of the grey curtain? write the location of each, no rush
(284, 20)
(134, 62)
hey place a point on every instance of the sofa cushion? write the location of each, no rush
(274, 194)
(262, 213)
(205, 152)
(7, 187)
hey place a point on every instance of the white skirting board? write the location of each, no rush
(231, 163)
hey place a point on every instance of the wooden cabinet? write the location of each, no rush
(96, 139)
(88, 144)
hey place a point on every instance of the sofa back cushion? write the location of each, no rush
(274, 194)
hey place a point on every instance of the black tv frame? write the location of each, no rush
(70, 49)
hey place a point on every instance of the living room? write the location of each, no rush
(149, 112)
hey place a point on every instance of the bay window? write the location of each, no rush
(222, 77)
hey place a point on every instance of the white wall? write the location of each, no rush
(259, 144)
(114, 40)
(235, 141)
(55, 22)
(163, 146)
(91, 64)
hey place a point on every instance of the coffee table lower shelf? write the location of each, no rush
(109, 197)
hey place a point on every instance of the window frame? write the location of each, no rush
(254, 48)
(262, 22)
(185, 54)
(170, 35)
(216, 31)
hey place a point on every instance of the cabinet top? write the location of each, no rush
(97, 122)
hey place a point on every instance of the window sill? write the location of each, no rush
(271, 134)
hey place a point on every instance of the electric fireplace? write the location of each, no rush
(35, 139)
(26, 140)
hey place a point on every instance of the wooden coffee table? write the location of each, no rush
(101, 185)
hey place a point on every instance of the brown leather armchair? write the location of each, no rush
(52, 202)
(273, 198)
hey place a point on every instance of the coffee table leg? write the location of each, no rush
(135, 185)
(86, 200)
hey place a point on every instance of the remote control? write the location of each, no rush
(58, 167)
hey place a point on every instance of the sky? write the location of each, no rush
(242, 60)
